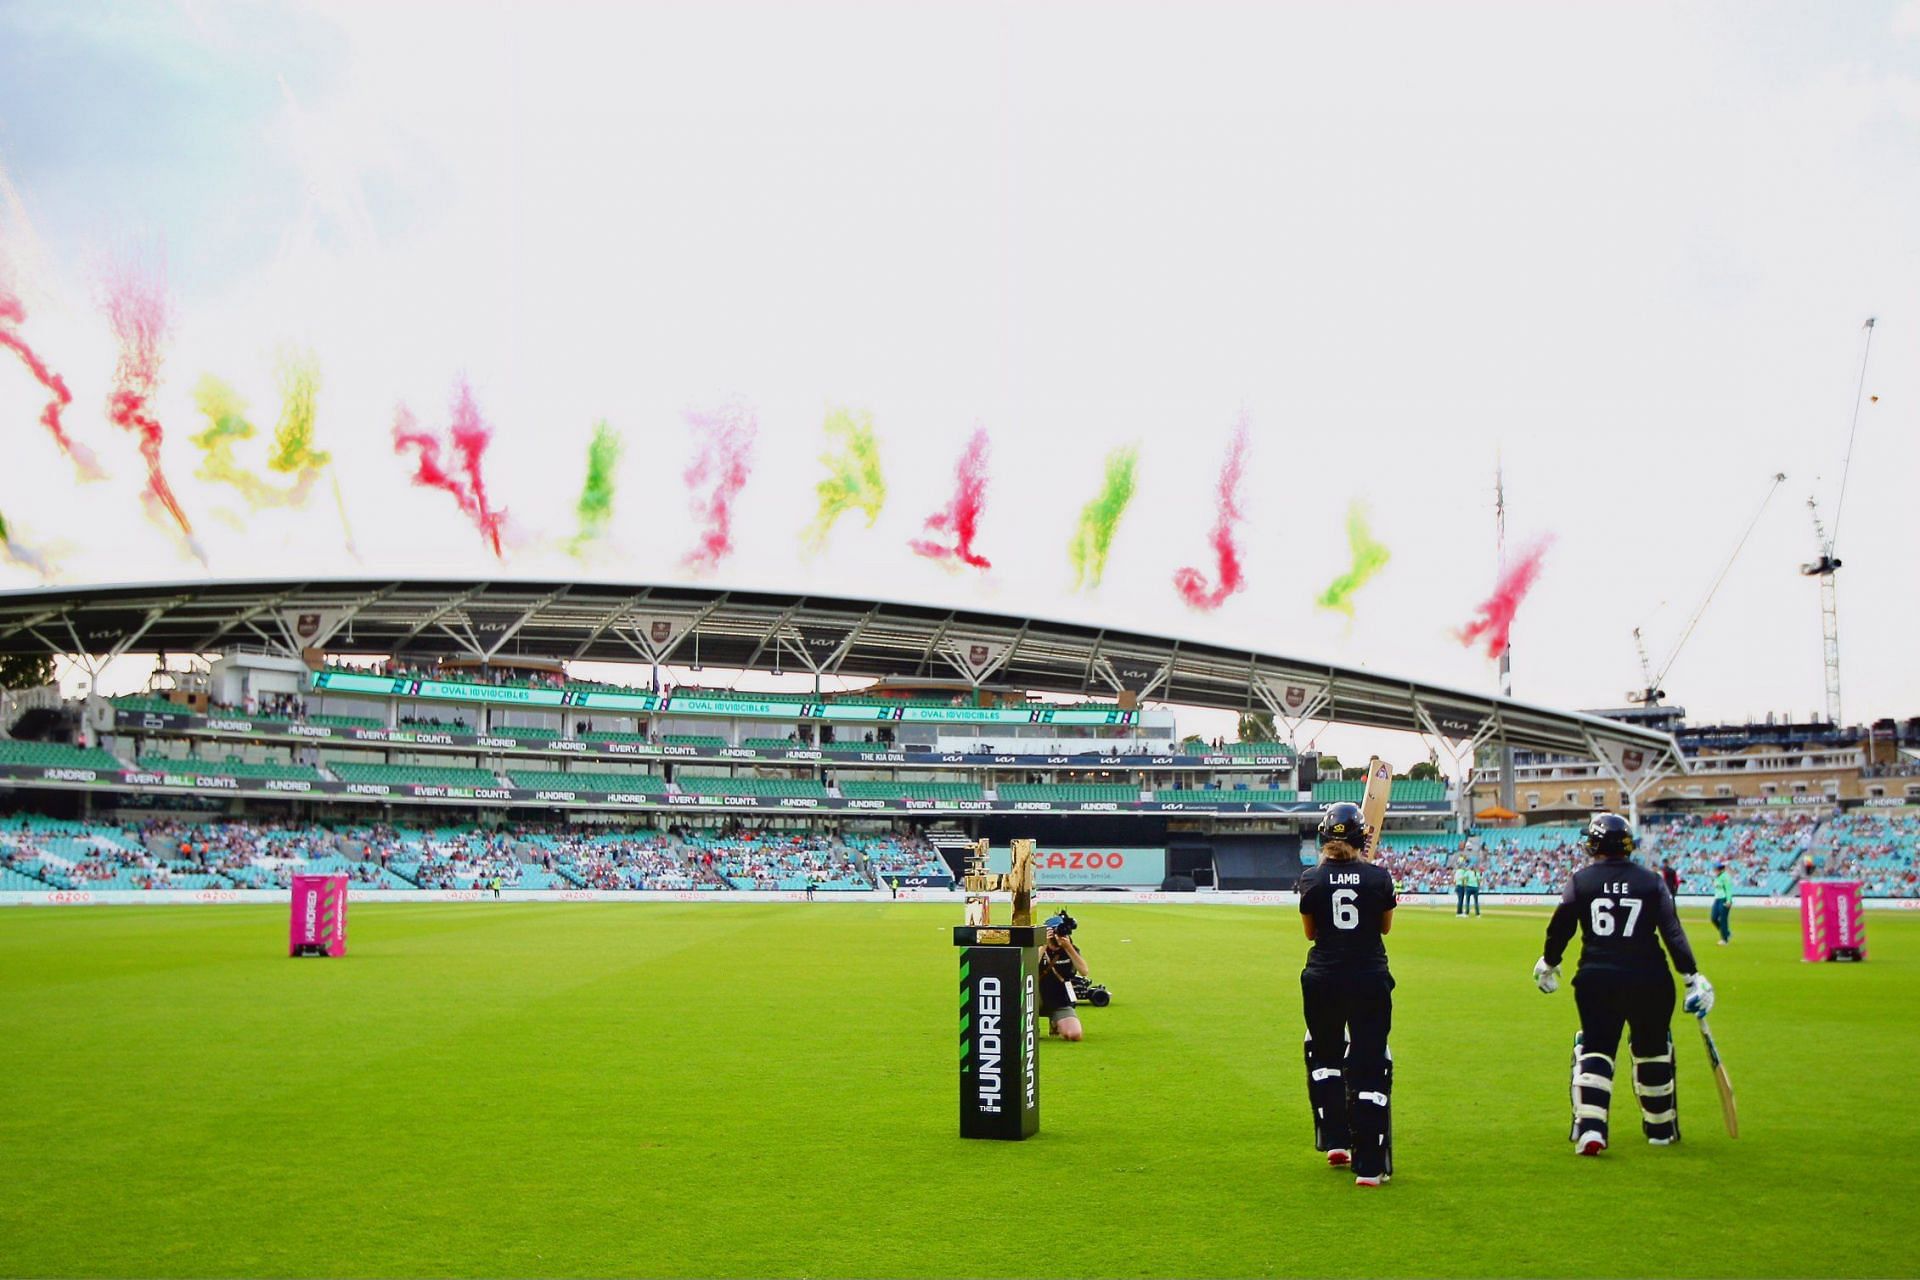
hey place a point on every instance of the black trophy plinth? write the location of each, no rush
(999, 1020)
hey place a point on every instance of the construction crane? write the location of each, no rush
(1650, 692)
(1823, 566)
(1653, 690)
(1825, 563)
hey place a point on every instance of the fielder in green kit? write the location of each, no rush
(1723, 903)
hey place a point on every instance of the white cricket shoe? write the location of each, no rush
(1372, 1181)
(1589, 1144)
(1339, 1157)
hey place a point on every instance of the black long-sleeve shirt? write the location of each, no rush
(1623, 912)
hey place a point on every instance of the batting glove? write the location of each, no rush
(1699, 1000)
(1546, 976)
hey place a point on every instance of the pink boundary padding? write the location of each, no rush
(319, 914)
(1831, 919)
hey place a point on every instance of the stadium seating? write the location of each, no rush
(1224, 795)
(1405, 791)
(413, 775)
(55, 755)
(773, 744)
(139, 704)
(346, 722)
(771, 860)
(588, 781)
(19, 881)
(765, 788)
(705, 741)
(1068, 792)
(37, 853)
(900, 855)
(950, 791)
(1879, 851)
(231, 767)
(435, 724)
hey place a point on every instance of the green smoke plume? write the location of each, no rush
(595, 507)
(1093, 537)
(299, 377)
(854, 480)
(1369, 557)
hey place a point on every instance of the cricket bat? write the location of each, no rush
(1720, 1081)
(1373, 805)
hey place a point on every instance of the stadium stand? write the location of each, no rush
(139, 704)
(413, 775)
(345, 722)
(894, 790)
(781, 860)
(900, 856)
(231, 767)
(40, 853)
(1405, 791)
(1074, 792)
(436, 724)
(1226, 795)
(705, 740)
(55, 755)
(766, 788)
(1877, 850)
(524, 732)
(589, 782)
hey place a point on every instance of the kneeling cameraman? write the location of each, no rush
(1060, 964)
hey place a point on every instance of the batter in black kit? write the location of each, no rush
(1624, 912)
(1346, 906)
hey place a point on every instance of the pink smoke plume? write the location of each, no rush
(721, 464)
(137, 309)
(12, 315)
(1494, 618)
(961, 518)
(467, 438)
(1191, 583)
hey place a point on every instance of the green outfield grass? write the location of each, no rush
(718, 1089)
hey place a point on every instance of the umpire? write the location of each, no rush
(1623, 912)
(1346, 907)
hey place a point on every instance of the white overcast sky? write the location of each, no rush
(1627, 247)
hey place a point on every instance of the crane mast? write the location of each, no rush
(1826, 563)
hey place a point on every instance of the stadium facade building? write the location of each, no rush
(422, 702)
(1770, 763)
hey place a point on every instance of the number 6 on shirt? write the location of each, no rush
(1345, 914)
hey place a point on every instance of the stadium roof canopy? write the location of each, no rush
(772, 631)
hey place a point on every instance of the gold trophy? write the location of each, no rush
(980, 884)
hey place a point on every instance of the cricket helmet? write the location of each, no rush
(1343, 822)
(1609, 835)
